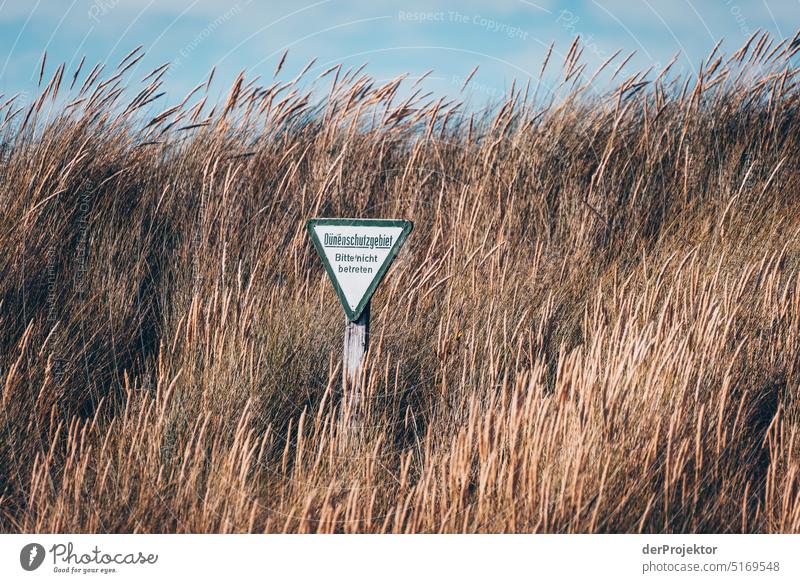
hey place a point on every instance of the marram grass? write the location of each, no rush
(594, 327)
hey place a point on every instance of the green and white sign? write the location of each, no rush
(357, 253)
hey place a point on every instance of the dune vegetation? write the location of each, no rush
(594, 326)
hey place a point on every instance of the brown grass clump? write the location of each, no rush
(595, 326)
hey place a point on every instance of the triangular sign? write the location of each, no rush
(357, 253)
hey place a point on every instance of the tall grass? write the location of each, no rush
(595, 326)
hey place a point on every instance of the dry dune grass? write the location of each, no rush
(595, 326)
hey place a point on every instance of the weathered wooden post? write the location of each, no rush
(356, 343)
(356, 254)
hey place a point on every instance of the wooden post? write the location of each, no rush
(356, 341)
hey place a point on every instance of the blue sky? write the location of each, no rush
(506, 38)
